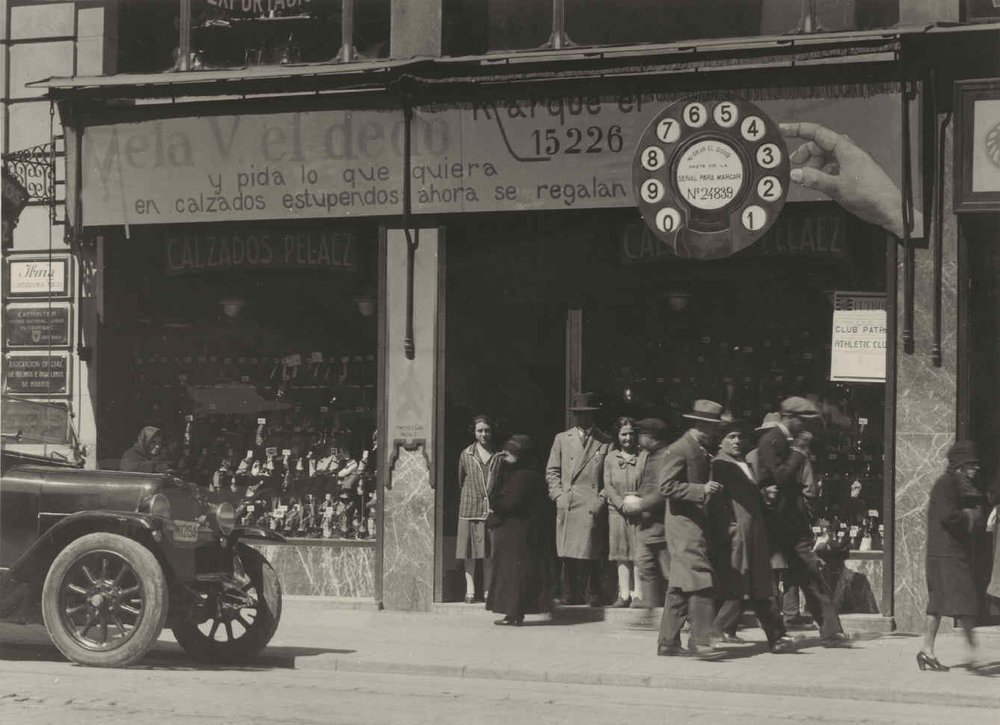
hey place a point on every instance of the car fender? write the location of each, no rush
(40, 552)
(255, 532)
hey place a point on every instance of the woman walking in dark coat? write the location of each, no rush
(954, 515)
(523, 550)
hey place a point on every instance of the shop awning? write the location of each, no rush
(529, 66)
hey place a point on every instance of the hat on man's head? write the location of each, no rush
(799, 407)
(519, 444)
(770, 421)
(583, 402)
(707, 411)
(962, 452)
(653, 427)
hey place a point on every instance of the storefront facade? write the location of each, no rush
(496, 263)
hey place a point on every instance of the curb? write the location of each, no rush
(660, 681)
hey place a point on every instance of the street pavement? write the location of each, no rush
(329, 664)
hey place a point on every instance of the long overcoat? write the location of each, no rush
(740, 547)
(621, 478)
(523, 559)
(575, 477)
(685, 473)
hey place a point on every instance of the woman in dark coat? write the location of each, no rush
(523, 549)
(954, 515)
(144, 455)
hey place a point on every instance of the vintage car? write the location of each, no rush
(107, 559)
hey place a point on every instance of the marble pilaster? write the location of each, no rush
(324, 570)
(408, 576)
(925, 415)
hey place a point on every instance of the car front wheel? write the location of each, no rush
(243, 620)
(104, 601)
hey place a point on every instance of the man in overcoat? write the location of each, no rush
(653, 560)
(575, 477)
(781, 455)
(685, 484)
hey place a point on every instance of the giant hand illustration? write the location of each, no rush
(833, 164)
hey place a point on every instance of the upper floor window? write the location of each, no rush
(240, 33)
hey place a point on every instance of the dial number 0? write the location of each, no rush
(668, 219)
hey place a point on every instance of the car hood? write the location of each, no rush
(66, 491)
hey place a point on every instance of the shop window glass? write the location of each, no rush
(259, 366)
(747, 332)
(240, 33)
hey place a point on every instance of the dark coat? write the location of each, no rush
(682, 483)
(523, 547)
(954, 515)
(778, 464)
(575, 477)
(652, 503)
(741, 560)
(139, 459)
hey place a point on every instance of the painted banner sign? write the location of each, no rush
(45, 373)
(558, 153)
(36, 325)
(815, 231)
(192, 251)
(857, 353)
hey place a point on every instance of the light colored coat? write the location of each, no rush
(575, 476)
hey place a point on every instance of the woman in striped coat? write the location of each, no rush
(477, 466)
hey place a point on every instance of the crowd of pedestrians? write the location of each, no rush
(707, 526)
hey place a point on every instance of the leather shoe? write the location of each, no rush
(620, 603)
(637, 603)
(705, 652)
(782, 645)
(836, 640)
(671, 651)
(509, 621)
(732, 639)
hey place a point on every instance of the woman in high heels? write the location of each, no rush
(954, 516)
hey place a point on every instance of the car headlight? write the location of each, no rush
(159, 505)
(225, 516)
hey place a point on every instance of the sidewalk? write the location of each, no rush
(879, 667)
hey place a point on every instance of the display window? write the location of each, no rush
(253, 350)
(541, 304)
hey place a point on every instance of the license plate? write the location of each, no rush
(186, 531)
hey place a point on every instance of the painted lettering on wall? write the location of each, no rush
(194, 251)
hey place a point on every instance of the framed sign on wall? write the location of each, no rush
(38, 275)
(977, 157)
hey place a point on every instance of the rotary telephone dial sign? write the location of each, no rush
(710, 176)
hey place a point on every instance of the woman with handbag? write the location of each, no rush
(523, 546)
(622, 473)
(476, 471)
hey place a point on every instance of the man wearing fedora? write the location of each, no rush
(782, 454)
(685, 484)
(575, 476)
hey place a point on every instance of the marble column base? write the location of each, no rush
(337, 570)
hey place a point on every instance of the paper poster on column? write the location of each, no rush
(857, 352)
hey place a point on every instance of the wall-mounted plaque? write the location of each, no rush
(37, 276)
(977, 160)
(37, 373)
(36, 324)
